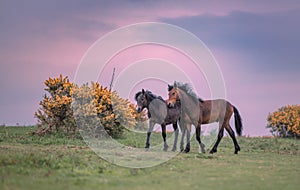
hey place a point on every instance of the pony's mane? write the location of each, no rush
(137, 95)
(152, 96)
(186, 87)
(149, 93)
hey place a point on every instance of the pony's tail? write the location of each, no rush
(238, 121)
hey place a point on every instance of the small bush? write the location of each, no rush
(285, 122)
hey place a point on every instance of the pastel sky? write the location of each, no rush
(256, 44)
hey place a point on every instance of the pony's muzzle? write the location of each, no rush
(139, 109)
(170, 105)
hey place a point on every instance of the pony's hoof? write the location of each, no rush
(181, 149)
(202, 148)
(213, 151)
(173, 149)
(237, 149)
(166, 147)
(186, 151)
(147, 146)
(202, 151)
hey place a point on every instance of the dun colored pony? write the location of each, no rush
(159, 113)
(196, 112)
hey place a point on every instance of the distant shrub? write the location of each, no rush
(95, 109)
(55, 112)
(285, 122)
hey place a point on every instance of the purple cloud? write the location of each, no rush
(256, 44)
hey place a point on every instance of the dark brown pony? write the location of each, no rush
(196, 112)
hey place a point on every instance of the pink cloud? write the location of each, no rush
(132, 13)
(124, 59)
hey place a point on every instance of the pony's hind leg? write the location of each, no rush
(176, 131)
(164, 135)
(198, 133)
(232, 135)
(220, 136)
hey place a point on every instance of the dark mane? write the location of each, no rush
(153, 96)
(150, 95)
(137, 95)
(186, 87)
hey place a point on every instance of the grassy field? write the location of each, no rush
(55, 162)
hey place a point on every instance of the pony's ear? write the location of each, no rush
(143, 91)
(170, 87)
(175, 84)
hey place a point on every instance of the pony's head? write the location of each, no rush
(141, 99)
(173, 95)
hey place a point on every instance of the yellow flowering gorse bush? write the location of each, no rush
(285, 121)
(67, 107)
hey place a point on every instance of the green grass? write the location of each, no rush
(56, 162)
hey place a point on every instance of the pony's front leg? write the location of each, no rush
(176, 131)
(151, 126)
(183, 130)
(164, 135)
(188, 139)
